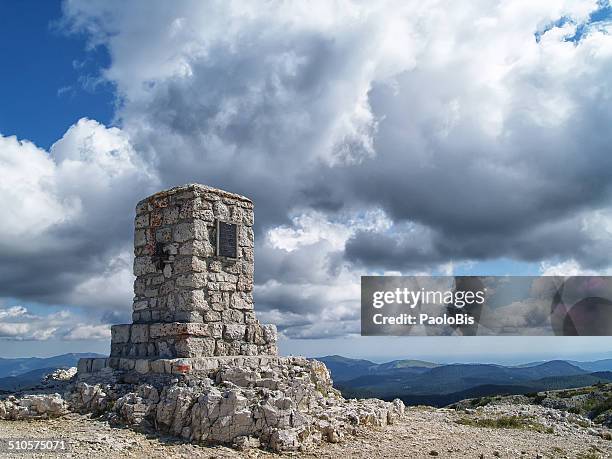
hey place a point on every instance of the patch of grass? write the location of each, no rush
(575, 392)
(601, 407)
(480, 401)
(592, 453)
(582, 423)
(506, 422)
(557, 450)
(538, 399)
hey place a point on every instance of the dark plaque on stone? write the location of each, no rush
(227, 239)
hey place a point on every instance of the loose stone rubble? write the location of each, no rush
(196, 363)
(33, 407)
(60, 375)
(284, 405)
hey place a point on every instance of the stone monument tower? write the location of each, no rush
(193, 293)
(195, 363)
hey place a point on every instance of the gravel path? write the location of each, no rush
(423, 433)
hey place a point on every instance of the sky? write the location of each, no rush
(391, 137)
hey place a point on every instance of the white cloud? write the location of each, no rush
(311, 227)
(17, 323)
(88, 332)
(564, 268)
(14, 311)
(68, 216)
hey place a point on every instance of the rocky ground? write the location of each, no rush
(422, 433)
(298, 414)
(287, 405)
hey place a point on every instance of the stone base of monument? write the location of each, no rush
(94, 368)
(281, 403)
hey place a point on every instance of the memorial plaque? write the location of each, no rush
(227, 239)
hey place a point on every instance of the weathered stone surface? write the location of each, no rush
(280, 403)
(195, 347)
(234, 331)
(139, 333)
(120, 333)
(179, 279)
(33, 407)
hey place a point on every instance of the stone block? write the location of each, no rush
(234, 331)
(164, 349)
(191, 300)
(139, 286)
(248, 349)
(183, 232)
(245, 236)
(221, 210)
(142, 366)
(206, 216)
(242, 300)
(156, 219)
(140, 238)
(270, 333)
(222, 277)
(205, 364)
(142, 207)
(211, 316)
(216, 329)
(247, 253)
(232, 316)
(200, 248)
(192, 280)
(163, 235)
(249, 317)
(118, 349)
(187, 316)
(84, 366)
(157, 366)
(126, 364)
(145, 316)
(177, 329)
(170, 215)
(120, 334)
(141, 305)
(98, 364)
(222, 348)
(248, 218)
(143, 266)
(255, 334)
(201, 229)
(140, 333)
(141, 221)
(195, 347)
(189, 263)
(159, 201)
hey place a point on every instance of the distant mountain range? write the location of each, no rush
(414, 381)
(428, 383)
(17, 374)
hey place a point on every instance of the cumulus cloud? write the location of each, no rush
(68, 216)
(455, 132)
(17, 323)
(88, 332)
(472, 121)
